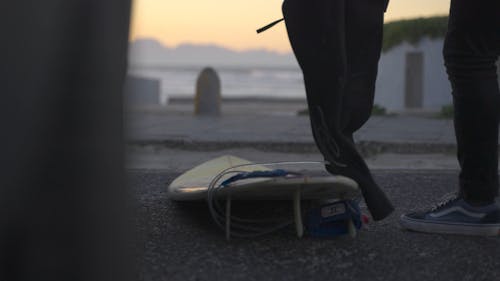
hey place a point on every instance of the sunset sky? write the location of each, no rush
(232, 23)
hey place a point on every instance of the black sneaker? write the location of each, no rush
(455, 216)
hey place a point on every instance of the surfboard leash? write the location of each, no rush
(235, 226)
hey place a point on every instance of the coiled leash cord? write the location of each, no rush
(244, 227)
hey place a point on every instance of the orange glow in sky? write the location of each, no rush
(232, 23)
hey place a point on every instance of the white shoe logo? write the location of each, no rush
(457, 209)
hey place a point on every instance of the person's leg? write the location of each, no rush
(471, 48)
(364, 27)
(317, 32)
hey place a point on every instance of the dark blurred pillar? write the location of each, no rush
(62, 193)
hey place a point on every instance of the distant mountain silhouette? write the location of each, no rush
(151, 52)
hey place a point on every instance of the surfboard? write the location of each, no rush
(193, 184)
(198, 184)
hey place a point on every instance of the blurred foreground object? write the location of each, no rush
(208, 93)
(63, 195)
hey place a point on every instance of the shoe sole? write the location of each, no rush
(450, 228)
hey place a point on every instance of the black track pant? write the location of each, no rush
(337, 44)
(471, 48)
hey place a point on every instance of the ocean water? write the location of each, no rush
(236, 82)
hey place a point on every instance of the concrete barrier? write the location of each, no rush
(140, 92)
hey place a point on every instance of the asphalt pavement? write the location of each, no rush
(178, 241)
(412, 158)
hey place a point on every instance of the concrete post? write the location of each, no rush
(414, 78)
(139, 92)
(208, 93)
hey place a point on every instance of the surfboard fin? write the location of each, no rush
(297, 213)
(352, 229)
(228, 218)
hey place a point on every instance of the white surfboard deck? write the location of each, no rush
(193, 184)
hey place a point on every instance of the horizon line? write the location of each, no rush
(187, 43)
(243, 50)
